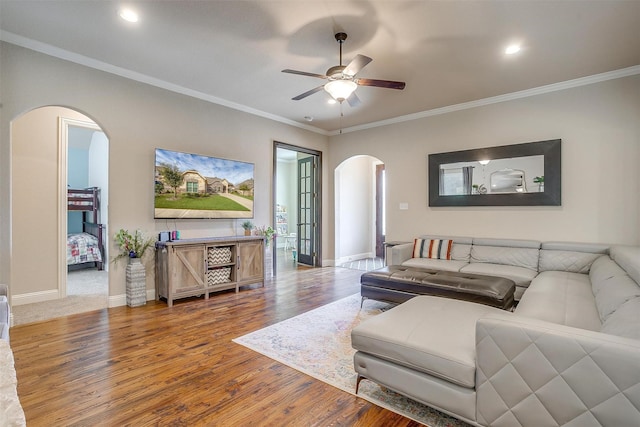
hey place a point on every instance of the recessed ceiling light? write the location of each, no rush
(128, 15)
(512, 49)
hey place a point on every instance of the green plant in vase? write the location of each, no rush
(268, 232)
(248, 226)
(132, 245)
(540, 181)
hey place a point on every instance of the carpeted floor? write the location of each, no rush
(87, 290)
(318, 343)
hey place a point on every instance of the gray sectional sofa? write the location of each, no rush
(569, 354)
(518, 260)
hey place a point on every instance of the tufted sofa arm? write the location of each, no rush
(530, 372)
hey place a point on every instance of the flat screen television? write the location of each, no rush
(196, 186)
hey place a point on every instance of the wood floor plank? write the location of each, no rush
(155, 365)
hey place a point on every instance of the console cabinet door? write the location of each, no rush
(251, 260)
(188, 268)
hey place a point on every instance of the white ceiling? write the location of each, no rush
(232, 52)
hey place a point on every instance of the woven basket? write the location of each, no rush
(221, 255)
(218, 275)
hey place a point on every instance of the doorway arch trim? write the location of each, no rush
(63, 145)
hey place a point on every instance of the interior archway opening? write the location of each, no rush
(359, 206)
(59, 173)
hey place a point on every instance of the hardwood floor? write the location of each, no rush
(177, 366)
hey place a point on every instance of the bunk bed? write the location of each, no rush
(88, 246)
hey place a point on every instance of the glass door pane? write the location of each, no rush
(306, 211)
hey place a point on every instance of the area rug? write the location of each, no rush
(318, 343)
(366, 264)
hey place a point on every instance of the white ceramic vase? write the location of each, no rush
(136, 283)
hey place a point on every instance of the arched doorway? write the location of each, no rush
(53, 149)
(359, 217)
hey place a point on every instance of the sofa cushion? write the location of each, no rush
(625, 321)
(571, 261)
(614, 292)
(429, 334)
(593, 248)
(523, 253)
(461, 252)
(432, 248)
(628, 257)
(563, 298)
(509, 243)
(436, 264)
(520, 275)
(611, 286)
(603, 268)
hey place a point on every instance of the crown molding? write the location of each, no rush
(555, 87)
(143, 78)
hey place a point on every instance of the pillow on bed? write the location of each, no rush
(432, 248)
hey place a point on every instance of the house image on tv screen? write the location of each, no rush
(195, 186)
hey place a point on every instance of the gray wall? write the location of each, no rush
(136, 118)
(599, 125)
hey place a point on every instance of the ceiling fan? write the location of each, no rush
(342, 78)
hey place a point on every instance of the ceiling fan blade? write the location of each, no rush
(307, 93)
(304, 73)
(389, 84)
(357, 64)
(353, 100)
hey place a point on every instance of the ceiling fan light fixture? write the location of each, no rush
(342, 81)
(512, 49)
(128, 15)
(340, 89)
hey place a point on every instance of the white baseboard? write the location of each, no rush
(120, 300)
(52, 295)
(355, 257)
(116, 300)
(32, 297)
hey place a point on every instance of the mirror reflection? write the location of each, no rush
(493, 176)
(508, 175)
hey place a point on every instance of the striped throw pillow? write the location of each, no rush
(432, 248)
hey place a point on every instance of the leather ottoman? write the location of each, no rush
(397, 283)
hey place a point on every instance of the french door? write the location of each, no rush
(297, 190)
(306, 211)
(380, 220)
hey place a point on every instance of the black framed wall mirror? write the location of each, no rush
(510, 175)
